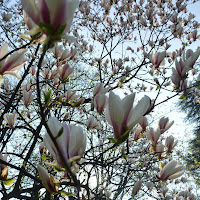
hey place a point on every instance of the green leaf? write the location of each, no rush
(43, 157)
(9, 181)
(182, 97)
(59, 133)
(113, 140)
(47, 97)
(161, 166)
(58, 169)
(157, 87)
(66, 194)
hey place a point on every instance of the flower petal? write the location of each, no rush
(138, 112)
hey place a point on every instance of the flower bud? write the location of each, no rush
(27, 97)
(100, 102)
(49, 182)
(10, 118)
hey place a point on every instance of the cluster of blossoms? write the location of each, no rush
(49, 21)
(183, 66)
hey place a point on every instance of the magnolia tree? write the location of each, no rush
(71, 123)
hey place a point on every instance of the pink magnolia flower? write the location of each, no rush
(33, 70)
(10, 118)
(79, 102)
(137, 133)
(70, 96)
(121, 114)
(49, 182)
(52, 17)
(164, 124)
(6, 16)
(100, 102)
(170, 143)
(171, 171)
(153, 136)
(46, 73)
(27, 86)
(159, 150)
(3, 168)
(27, 97)
(179, 74)
(65, 72)
(55, 74)
(70, 138)
(11, 63)
(143, 123)
(93, 123)
(158, 58)
(136, 187)
(99, 89)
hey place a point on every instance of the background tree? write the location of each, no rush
(191, 106)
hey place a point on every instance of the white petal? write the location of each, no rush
(31, 9)
(72, 5)
(138, 111)
(3, 50)
(115, 110)
(54, 126)
(127, 104)
(176, 175)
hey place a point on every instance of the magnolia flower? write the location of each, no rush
(99, 89)
(55, 74)
(65, 72)
(153, 136)
(46, 73)
(27, 97)
(42, 148)
(56, 82)
(33, 70)
(157, 59)
(6, 16)
(100, 102)
(62, 54)
(164, 124)
(3, 168)
(93, 123)
(79, 102)
(170, 143)
(171, 171)
(49, 182)
(51, 17)
(121, 114)
(183, 66)
(11, 63)
(143, 123)
(70, 96)
(136, 187)
(159, 150)
(10, 118)
(27, 86)
(70, 139)
(137, 133)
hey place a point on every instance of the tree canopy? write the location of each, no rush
(79, 84)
